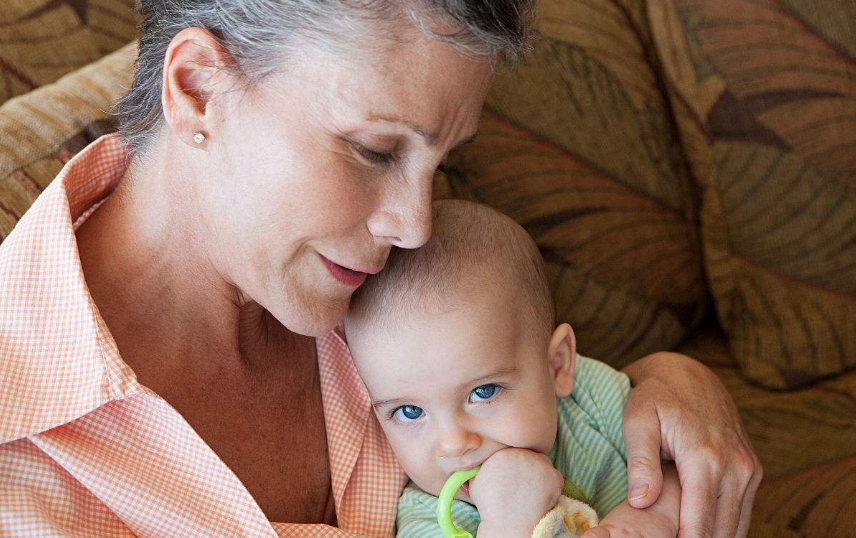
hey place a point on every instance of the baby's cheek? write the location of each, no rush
(533, 430)
(417, 462)
(425, 474)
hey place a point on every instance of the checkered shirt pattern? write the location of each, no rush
(86, 451)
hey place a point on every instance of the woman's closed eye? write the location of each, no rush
(484, 393)
(376, 157)
(407, 413)
(383, 157)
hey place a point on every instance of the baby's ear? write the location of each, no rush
(562, 355)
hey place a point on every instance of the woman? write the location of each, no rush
(273, 152)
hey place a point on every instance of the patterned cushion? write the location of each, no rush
(576, 144)
(41, 131)
(45, 39)
(764, 92)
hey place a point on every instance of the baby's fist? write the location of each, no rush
(514, 489)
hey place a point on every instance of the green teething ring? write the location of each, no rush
(444, 503)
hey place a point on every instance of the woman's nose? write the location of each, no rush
(456, 440)
(405, 219)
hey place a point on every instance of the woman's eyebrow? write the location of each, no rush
(429, 136)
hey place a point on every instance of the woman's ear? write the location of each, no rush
(562, 355)
(193, 64)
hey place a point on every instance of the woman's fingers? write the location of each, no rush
(729, 507)
(717, 500)
(698, 499)
(740, 480)
(757, 473)
(641, 430)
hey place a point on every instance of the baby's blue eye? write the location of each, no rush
(407, 413)
(484, 392)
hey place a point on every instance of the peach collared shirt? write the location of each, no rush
(87, 451)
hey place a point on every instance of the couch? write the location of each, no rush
(686, 166)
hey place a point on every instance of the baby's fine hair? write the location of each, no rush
(473, 250)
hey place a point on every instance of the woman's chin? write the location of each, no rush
(313, 320)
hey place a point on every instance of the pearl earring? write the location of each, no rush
(199, 137)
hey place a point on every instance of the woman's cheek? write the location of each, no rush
(345, 194)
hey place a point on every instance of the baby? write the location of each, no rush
(457, 345)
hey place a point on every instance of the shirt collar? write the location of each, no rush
(347, 409)
(58, 361)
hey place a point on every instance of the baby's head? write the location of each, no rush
(456, 344)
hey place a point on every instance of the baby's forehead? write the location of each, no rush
(472, 311)
(482, 293)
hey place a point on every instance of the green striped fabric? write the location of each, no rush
(589, 451)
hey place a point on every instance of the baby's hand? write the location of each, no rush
(624, 521)
(660, 520)
(514, 489)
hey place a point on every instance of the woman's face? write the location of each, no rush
(317, 172)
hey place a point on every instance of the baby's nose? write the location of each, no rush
(456, 441)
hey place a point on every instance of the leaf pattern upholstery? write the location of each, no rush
(764, 93)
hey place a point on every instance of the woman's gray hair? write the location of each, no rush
(259, 34)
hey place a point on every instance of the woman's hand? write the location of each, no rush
(679, 410)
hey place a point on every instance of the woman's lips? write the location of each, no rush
(344, 275)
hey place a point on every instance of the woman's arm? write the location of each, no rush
(679, 410)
